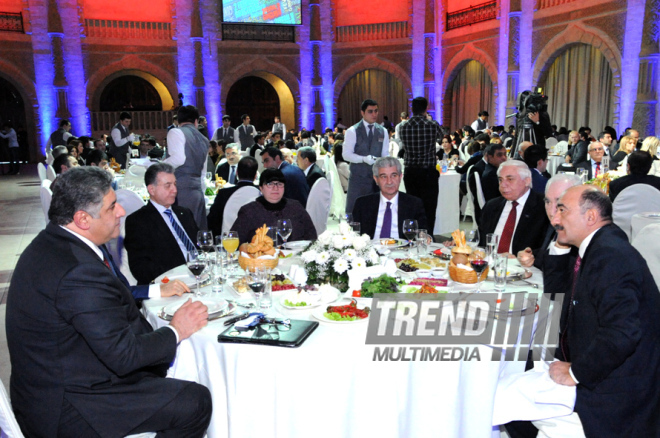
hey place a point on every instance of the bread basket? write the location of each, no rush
(465, 276)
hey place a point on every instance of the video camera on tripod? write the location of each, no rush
(530, 102)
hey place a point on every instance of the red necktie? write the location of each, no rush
(106, 263)
(597, 169)
(564, 346)
(507, 233)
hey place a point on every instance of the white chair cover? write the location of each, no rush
(394, 148)
(469, 207)
(130, 201)
(479, 195)
(8, 422)
(646, 242)
(637, 198)
(338, 202)
(260, 162)
(46, 196)
(318, 204)
(463, 153)
(640, 220)
(46, 183)
(550, 142)
(135, 175)
(50, 173)
(561, 147)
(49, 158)
(240, 197)
(41, 169)
(123, 259)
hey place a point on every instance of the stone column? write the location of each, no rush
(525, 36)
(210, 19)
(182, 23)
(306, 66)
(326, 66)
(502, 64)
(438, 74)
(646, 116)
(513, 74)
(429, 58)
(417, 22)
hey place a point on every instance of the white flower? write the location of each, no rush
(366, 238)
(345, 228)
(358, 263)
(350, 254)
(341, 265)
(322, 257)
(340, 242)
(373, 256)
(325, 238)
(359, 244)
(309, 256)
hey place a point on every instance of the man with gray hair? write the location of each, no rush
(517, 216)
(307, 163)
(85, 362)
(556, 186)
(381, 214)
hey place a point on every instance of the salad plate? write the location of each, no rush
(215, 305)
(322, 314)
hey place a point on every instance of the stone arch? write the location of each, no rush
(160, 78)
(288, 90)
(25, 87)
(371, 62)
(458, 61)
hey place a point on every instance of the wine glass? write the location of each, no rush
(472, 237)
(284, 229)
(209, 177)
(257, 279)
(196, 266)
(479, 266)
(205, 240)
(230, 244)
(410, 229)
(348, 218)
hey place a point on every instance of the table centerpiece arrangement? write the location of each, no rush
(329, 258)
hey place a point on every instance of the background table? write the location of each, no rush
(553, 162)
(331, 387)
(448, 210)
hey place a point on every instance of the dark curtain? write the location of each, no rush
(471, 92)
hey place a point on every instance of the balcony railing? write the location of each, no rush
(472, 15)
(550, 3)
(256, 32)
(11, 22)
(128, 29)
(152, 122)
(368, 32)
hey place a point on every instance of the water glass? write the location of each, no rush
(492, 241)
(355, 226)
(423, 240)
(499, 271)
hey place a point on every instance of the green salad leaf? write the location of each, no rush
(292, 304)
(334, 316)
(380, 285)
(209, 192)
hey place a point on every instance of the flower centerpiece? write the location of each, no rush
(329, 258)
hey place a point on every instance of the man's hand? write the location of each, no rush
(526, 258)
(190, 317)
(369, 159)
(567, 159)
(534, 117)
(174, 287)
(559, 373)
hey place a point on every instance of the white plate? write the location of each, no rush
(182, 273)
(410, 289)
(297, 245)
(214, 305)
(318, 314)
(325, 297)
(400, 243)
(511, 271)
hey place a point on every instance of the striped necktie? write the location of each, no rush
(183, 237)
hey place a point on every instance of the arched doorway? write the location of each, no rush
(470, 92)
(130, 93)
(579, 86)
(255, 97)
(12, 109)
(379, 85)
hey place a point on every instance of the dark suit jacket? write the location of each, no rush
(579, 152)
(366, 212)
(76, 334)
(216, 214)
(296, 183)
(223, 171)
(541, 252)
(587, 165)
(624, 182)
(204, 131)
(489, 183)
(256, 148)
(612, 336)
(314, 173)
(538, 181)
(532, 224)
(151, 246)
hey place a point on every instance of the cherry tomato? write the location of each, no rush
(357, 293)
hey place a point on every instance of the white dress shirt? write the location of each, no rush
(176, 147)
(382, 207)
(349, 145)
(505, 215)
(116, 137)
(161, 209)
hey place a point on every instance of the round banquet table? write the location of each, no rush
(553, 162)
(330, 386)
(448, 210)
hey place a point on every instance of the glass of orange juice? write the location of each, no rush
(230, 244)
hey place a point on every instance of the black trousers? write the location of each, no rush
(423, 183)
(187, 416)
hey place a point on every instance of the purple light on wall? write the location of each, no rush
(502, 63)
(306, 66)
(418, 55)
(209, 17)
(632, 44)
(327, 92)
(525, 44)
(44, 73)
(185, 52)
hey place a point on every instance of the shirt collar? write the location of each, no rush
(585, 243)
(366, 125)
(161, 208)
(523, 198)
(394, 201)
(86, 241)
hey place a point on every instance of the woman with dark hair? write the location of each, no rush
(342, 165)
(447, 149)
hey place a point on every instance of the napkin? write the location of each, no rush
(297, 274)
(535, 396)
(357, 275)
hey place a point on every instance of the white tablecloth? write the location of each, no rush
(331, 387)
(448, 211)
(553, 162)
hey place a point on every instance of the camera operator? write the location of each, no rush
(533, 120)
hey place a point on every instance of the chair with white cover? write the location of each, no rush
(637, 198)
(50, 173)
(479, 196)
(49, 158)
(260, 162)
(46, 196)
(338, 201)
(239, 198)
(550, 142)
(135, 175)
(130, 202)
(8, 422)
(469, 207)
(318, 204)
(646, 242)
(41, 170)
(561, 147)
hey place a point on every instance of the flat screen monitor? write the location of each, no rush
(262, 11)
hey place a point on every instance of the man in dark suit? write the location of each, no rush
(201, 126)
(247, 171)
(84, 360)
(495, 155)
(517, 216)
(594, 164)
(159, 235)
(226, 132)
(381, 214)
(536, 158)
(578, 153)
(609, 338)
(244, 134)
(639, 164)
(227, 170)
(296, 183)
(258, 146)
(307, 163)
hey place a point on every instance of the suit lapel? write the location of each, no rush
(525, 217)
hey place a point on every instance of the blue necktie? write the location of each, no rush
(183, 237)
(387, 222)
(371, 134)
(232, 175)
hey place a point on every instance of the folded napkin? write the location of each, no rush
(535, 396)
